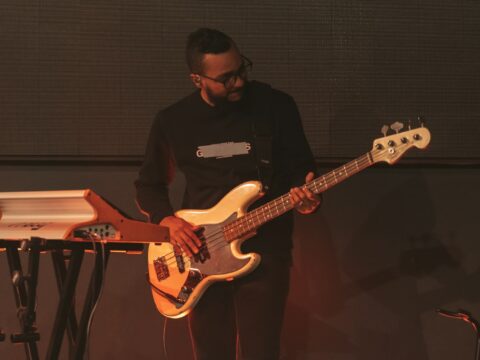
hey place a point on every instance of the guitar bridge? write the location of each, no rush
(194, 277)
(179, 259)
(161, 268)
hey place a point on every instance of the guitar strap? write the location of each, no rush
(263, 127)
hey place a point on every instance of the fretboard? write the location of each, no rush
(273, 209)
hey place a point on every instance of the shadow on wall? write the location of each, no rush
(367, 299)
(315, 292)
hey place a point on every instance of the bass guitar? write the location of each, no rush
(178, 280)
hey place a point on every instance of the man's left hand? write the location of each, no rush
(305, 201)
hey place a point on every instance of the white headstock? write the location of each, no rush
(391, 148)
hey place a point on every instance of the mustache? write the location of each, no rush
(237, 90)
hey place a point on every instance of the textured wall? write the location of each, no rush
(85, 78)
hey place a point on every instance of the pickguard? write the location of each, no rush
(217, 258)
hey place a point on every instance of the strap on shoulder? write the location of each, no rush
(263, 127)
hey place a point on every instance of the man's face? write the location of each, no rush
(220, 67)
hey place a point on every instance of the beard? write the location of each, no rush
(230, 100)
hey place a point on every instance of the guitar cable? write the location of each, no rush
(168, 297)
(165, 338)
(100, 291)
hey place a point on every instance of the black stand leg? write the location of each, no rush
(58, 260)
(66, 301)
(65, 317)
(25, 289)
(95, 285)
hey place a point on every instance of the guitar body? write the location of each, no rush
(177, 280)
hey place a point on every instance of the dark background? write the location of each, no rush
(80, 82)
(85, 78)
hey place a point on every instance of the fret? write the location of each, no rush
(262, 213)
(323, 183)
(270, 214)
(267, 215)
(356, 169)
(320, 184)
(351, 170)
(340, 174)
(329, 180)
(260, 216)
(278, 207)
(250, 223)
(284, 204)
(231, 232)
(258, 220)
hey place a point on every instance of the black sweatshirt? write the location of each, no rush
(215, 148)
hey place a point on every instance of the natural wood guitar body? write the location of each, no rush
(222, 259)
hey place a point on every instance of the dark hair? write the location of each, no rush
(205, 41)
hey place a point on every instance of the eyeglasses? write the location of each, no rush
(229, 80)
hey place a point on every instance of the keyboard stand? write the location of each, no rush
(67, 258)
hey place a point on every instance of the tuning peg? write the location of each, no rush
(421, 120)
(409, 124)
(396, 126)
(385, 130)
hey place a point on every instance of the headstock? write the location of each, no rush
(391, 148)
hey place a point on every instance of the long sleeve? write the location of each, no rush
(296, 154)
(155, 175)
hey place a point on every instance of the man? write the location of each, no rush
(229, 131)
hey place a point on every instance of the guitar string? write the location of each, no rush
(217, 243)
(239, 223)
(170, 258)
(362, 160)
(217, 238)
(213, 238)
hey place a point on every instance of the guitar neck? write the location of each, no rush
(273, 209)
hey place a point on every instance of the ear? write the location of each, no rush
(197, 81)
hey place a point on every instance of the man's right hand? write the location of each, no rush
(182, 234)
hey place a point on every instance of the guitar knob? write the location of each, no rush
(417, 137)
(404, 140)
(186, 290)
(379, 146)
(396, 126)
(421, 120)
(384, 130)
(391, 143)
